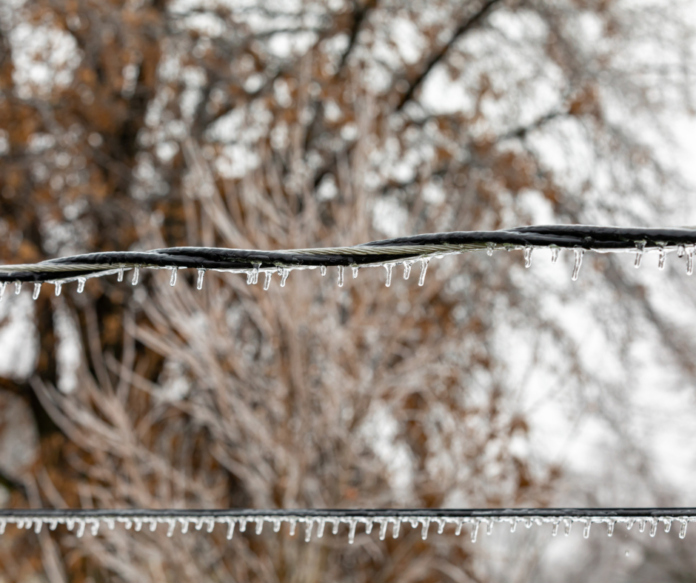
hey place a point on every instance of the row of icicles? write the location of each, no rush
(253, 274)
(352, 522)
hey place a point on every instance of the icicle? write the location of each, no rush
(336, 524)
(242, 525)
(528, 523)
(682, 530)
(136, 273)
(354, 268)
(642, 525)
(52, 525)
(424, 269)
(554, 254)
(3, 285)
(689, 261)
(267, 281)
(80, 527)
(586, 530)
(460, 524)
(18, 287)
(474, 531)
(37, 291)
(554, 530)
(341, 269)
(440, 525)
(368, 526)
(568, 526)
(184, 525)
(70, 523)
(199, 279)
(320, 527)
(407, 268)
(640, 246)
(81, 281)
(58, 287)
(38, 523)
(490, 248)
(276, 525)
(668, 524)
(172, 524)
(120, 274)
(293, 526)
(259, 526)
(426, 526)
(211, 524)
(528, 257)
(661, 258)
(680, 251)
(3, 524)
(322, 270)
(396, 528)
(353, 524)
(230, 528)
(489, 527)
(284, 272)
(513, 526)
(153, 525)
(653, 527)
(389, 267)
(578, 262)
(253, 275)
(308, 530)
(610, 527)
(630, 523)
(95, 527)
(383, 529)
(138, 524)
(172, 279)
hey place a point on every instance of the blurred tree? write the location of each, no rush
(273, 125)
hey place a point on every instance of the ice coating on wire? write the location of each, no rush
(404, 250)
(356, 522)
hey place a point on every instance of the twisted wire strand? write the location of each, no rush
(367, 520)
(579, 238)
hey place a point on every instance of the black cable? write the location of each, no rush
(387, 252)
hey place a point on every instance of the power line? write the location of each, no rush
(387, 253)
(381, 520)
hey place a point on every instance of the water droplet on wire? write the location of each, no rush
(389, 267)
(578, 262)
(37, 291)
(341, 269)
(199, 279)
(424, 269)
(81, 285)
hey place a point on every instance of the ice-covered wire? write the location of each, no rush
(405, 250)
(427, 520)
